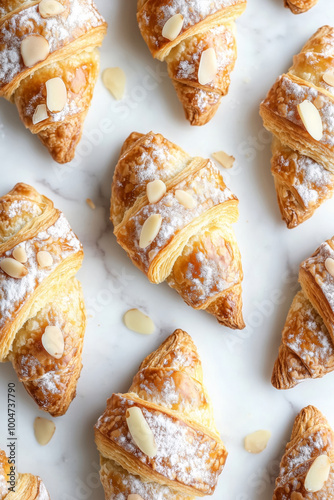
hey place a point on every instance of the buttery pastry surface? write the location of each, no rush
(45, 296)
(195, 250)
(307, 348)
(300, 6)
(311, 437)
(190, 454)
(302, 167)
(72, 37)
(206, 25)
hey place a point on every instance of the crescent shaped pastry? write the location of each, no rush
(168, 389)
(190, 242)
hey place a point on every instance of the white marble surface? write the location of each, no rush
(237, 366)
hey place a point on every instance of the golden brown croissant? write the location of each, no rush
(189, 454)
(302, 166)
(14, 486)
(311, 446)
(307, 349)
(182, 233)
(300, 6)
(198, 42)
(49, 66)
(42, 312)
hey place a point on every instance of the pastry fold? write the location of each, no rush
(72, 37)
(168, 388)
(206, 25)
(42, 297)
(311, 437)
(195, 249)
(300, 6)
(302, 167)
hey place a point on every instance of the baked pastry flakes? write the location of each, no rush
(300, 6)
(307, 348)
(189, 454)
(302, 166)
(308, 461)
(172, 214)
(49, 66)
(26, 486)
(198, 42)
(41, 300)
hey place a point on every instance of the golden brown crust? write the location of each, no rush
(302, 167)
(43, 297)
(311, 437)
(72, 38)
(195, 250)
(168, 388)
(203, 27)
(300, 6)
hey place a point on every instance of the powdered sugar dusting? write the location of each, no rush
(3, 486)
(49, 383)
(42, 491)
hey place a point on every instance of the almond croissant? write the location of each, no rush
(300, 6)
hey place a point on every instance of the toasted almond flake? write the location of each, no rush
(138, 322)
(257, 441)
(224, 159)
(20, 255)
(114, 80)
(13, 268)
(172, 28)
(155, 190)
(53, 341)
(56, 94)
(318, 474)
(44, 259)
(328, 77)
(134, 496)
(329, 265)
(150, 230)
(140, 431)
(185, 199)
(90, 203)
(311, 119)
(44, 430)
(208, 66)
(34, 49)
(50, 8)
(40, 114)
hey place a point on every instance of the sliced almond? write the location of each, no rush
(224, 159)
(141, 432)
(257, 441)
(90, 203)
(311, 119)
(208, 66)
(34, 49)
(329, 265)
(318, 474)
(328, 77)
(134, 496)
(56, 94)
(138, 322)
(40, 114)
(44, 259)
(155, 190)
(13, 268)
(114, 80)
(50, 8)
(20, 255)
(44, 430)
(185, 199)
(150, 230)
(53, 341)
(172, 28)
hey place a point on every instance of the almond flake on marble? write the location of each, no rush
(20, 255)
(138, 322)
(56, 94)
(311, 119)
(44, 430)
(155, 190)
(114, 80)
(34, 49)
(257, 441)
(208, 66)
(150, 230)
(50, 8)
(140, 431)
(40, 114)
(90, 203)
(224, 159)
(172, 28)
(318, 474)
(53, 341)
(13, 268)
(185, 199)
